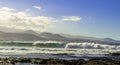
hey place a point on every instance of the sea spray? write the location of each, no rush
(91, 45)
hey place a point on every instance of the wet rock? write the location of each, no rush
(93, 62)
(39, 61)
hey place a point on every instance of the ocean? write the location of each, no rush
(55, 49)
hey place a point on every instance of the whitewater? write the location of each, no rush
(56, 49)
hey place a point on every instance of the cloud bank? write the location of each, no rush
(20, 20)
(10, 18)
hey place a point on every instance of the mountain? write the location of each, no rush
(33, 36)
(47, 35)
(92, 39)
(30, 36)
(19, 37)
(79, 37)
(52, 36)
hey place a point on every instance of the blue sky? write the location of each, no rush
(97, 18)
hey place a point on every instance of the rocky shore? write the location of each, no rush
(39, 61)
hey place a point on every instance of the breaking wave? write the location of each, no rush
(59, 44)
(56, 47)
(91, 45)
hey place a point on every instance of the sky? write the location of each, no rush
(93, 18)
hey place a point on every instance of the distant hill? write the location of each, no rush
(19, 37)
(33, 36)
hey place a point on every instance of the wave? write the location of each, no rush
(91, 45)
(59, 44)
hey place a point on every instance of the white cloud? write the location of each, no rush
(21, 20)
(71, 18)
(37, 7)
(10, 18)
(6, 9)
